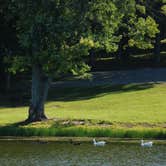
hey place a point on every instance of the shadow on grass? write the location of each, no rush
(72, 94)
(15, 99)
(18, 99)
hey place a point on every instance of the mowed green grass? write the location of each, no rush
(134, 103)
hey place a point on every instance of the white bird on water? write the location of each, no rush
(99, 143)
(146, 144)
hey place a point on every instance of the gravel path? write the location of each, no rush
(118, 77)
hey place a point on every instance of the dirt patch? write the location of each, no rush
(89, 122)
(80, 122)
(141, 125)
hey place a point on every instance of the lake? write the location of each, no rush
(31, 153)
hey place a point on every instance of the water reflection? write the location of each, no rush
(66, 154)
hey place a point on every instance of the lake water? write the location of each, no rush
(15, 153)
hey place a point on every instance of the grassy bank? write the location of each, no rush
(130, 111)
(84, 132)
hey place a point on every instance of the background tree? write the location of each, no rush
(137, 30)
(8, 42)
(157, 10)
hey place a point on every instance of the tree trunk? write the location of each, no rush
(157, 48)
(8, 81)
(123, 54)
(40, 85)
(92, 60)
(120, 51)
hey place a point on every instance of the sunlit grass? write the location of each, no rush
(133, 107)
(123, 105)
(130, 103)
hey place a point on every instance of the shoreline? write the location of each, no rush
(77, 139)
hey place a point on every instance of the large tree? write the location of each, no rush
(55, 37)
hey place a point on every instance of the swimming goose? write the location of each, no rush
(146, 144)
(74, 142)
(99, 143)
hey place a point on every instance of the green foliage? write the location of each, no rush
(104, 20)
(155, 9)
(163, 41)
(163, 9)
(59, 34)
(48, 35)
(136, 29)
(142, 32)
(15, 63)
(141, 8)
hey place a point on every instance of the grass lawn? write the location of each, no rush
(134, 107)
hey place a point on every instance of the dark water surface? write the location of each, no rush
(16, 153)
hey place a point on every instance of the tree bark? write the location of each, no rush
(40, 86)
(157, 48)
(92, 60)
(123, 54)
(8, 81)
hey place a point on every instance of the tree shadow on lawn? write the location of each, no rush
(20, 99)
(73, 94)
(15, 99)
